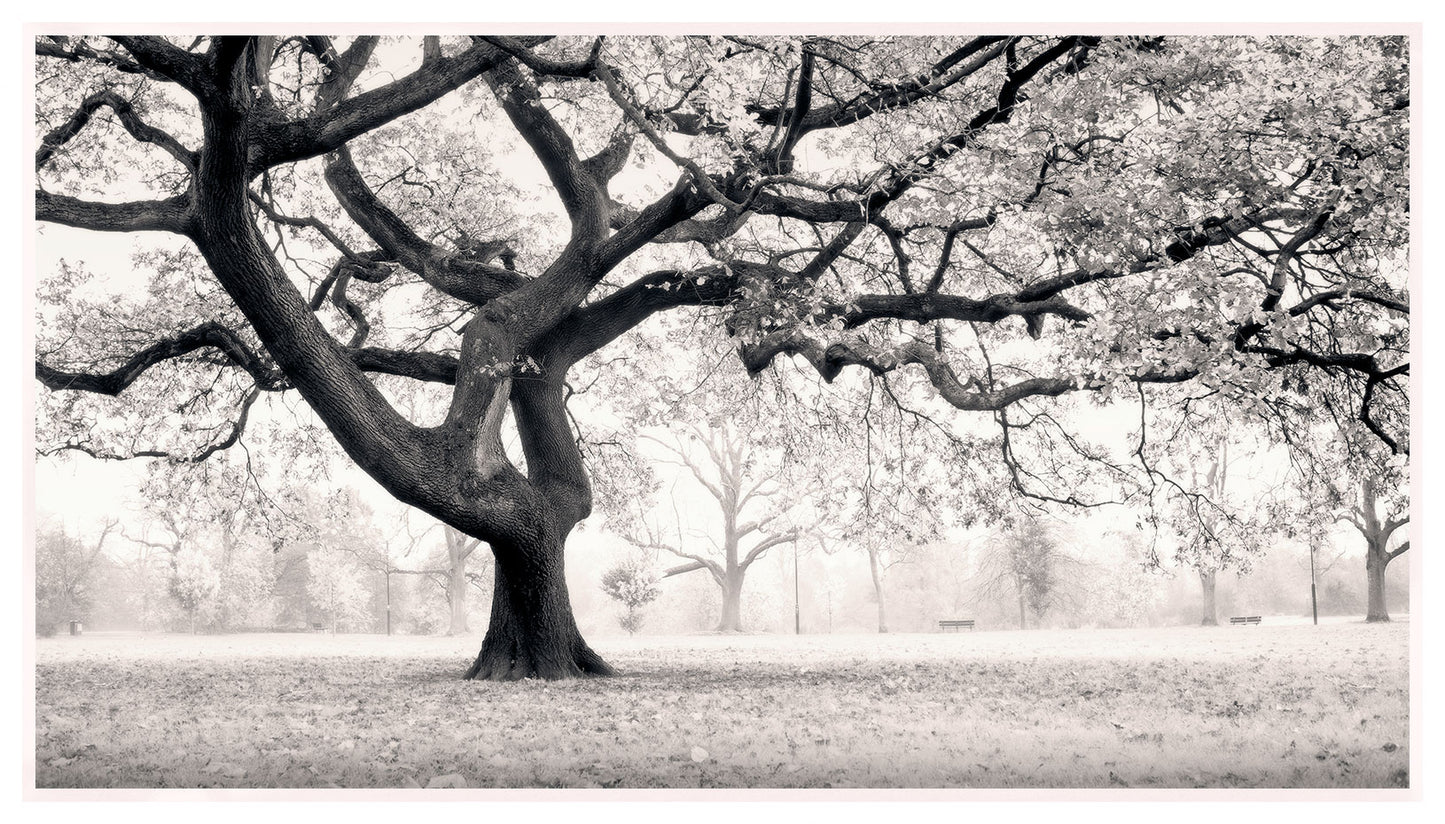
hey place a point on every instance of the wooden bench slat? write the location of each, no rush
(955, 624)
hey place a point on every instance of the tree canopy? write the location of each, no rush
(989, 222)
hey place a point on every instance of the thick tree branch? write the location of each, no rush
(155, 55)
(76, 50)
(665, 220)
(926, 307)
(171, 215)
(1398, 551)
(554, 462)
(125, 113)
(581, 194)
(422, 366)
(764, 546)
(340, 120)
(594, 326)
(546, 66)
(465, 280)
(207, 335)
(611, 159)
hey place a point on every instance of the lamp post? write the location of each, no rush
(797, 609)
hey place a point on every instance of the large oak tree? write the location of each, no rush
(996, 220)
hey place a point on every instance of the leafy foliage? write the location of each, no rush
(634, 586)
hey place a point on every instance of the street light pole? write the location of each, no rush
(797, 610)
(388, 598)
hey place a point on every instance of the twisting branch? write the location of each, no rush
(545, 65)
(466, 280)
(580, 193)
(76, 50)
(159, 57)
(339, 119)
(125, 113)
(208, 335)
(802, 103)
(308, 222)
(639, 119)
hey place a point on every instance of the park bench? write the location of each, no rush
(1244, 619)
(317, 627)
(954, 625)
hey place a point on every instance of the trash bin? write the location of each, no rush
(74, 627)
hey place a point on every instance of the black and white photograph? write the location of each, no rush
(586, 410)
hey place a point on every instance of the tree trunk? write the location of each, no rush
(457, 599)
(1376, 559)
(1210, 615)
(1377, 532)
(875, 568)
(732, 598)
(532, 633)
(1022, 609)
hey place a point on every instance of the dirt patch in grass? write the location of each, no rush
(1188, 707)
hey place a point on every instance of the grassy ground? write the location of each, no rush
(1267, 706)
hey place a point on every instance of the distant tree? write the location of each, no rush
(895, 481)
(460, 547)
(1205, 550)
(1378, 512)
(1347, 474)
(633, 585)
(447, 568)
(354, 555)
(65, 568)
(195, 585)
(228, 528)
(1029, 560)
(740, 475)
(334, 582)
(939, 581)
(291, 600)
(1215, 517)
(889, 525)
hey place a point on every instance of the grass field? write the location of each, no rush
(1278, 705)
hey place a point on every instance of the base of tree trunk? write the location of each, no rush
(1375, 562)
(510, 659)
(532, 633)
(1208, 622)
